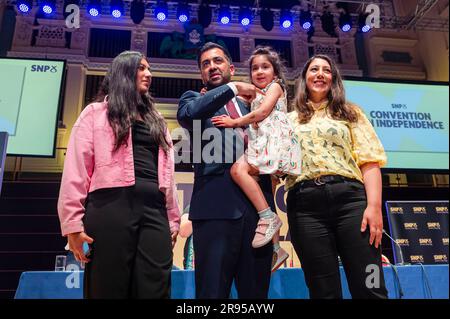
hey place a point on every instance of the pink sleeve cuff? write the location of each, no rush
(70, 227)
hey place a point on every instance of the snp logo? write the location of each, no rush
(425, 242)
(416, 258)
(410, 226)
(43, 68)
(396, 210)
(419, 210)
(402, 242)
(440, 258)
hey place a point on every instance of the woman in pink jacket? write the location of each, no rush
(118, 192)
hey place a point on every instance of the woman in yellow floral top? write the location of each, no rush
(334, 206)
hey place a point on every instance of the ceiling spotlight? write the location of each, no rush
(363, 26)
(306, 20)
(245, 16)
(328, 25)
(137, 11)
(266, 17)
(285, 18)
(24, 6)
(345, 22)
(183, 12)
(161, 11)
(204, 15)
(224, 15)
(94, 8)
(116, 8)
(48, 7)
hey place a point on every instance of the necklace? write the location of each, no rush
(319, 105)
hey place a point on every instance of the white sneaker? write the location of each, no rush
(279, 257)
(267, 227)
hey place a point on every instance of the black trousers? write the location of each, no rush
(324, 222)
(131, 256)
(223, 253)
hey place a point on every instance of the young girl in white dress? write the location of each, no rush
(273, 146)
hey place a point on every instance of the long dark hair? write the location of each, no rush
(338, 107)
(125, 102)
(274, 58)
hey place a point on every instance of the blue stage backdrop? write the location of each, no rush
(420, 228)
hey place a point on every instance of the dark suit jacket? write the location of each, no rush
(215, 194)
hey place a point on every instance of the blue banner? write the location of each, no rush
(420, 229)
(411, 120)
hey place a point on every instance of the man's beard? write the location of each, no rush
(226, 78)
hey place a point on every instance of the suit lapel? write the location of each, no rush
(222, 111)
(242, 107)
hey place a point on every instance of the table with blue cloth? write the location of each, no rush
(406, 282)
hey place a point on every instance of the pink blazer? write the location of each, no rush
(90, 164)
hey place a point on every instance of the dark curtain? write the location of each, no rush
(154, 40)
(92, 85)
(105, 43)
(173, 88)
(233, 47)
(169, 88)
(281, 46)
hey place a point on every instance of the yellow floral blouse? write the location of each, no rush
(334, 147)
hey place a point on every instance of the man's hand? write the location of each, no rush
(247, 91)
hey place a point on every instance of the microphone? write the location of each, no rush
(402, 261)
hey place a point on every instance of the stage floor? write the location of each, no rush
(413, 282)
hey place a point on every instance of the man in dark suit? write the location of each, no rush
(223, 219)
